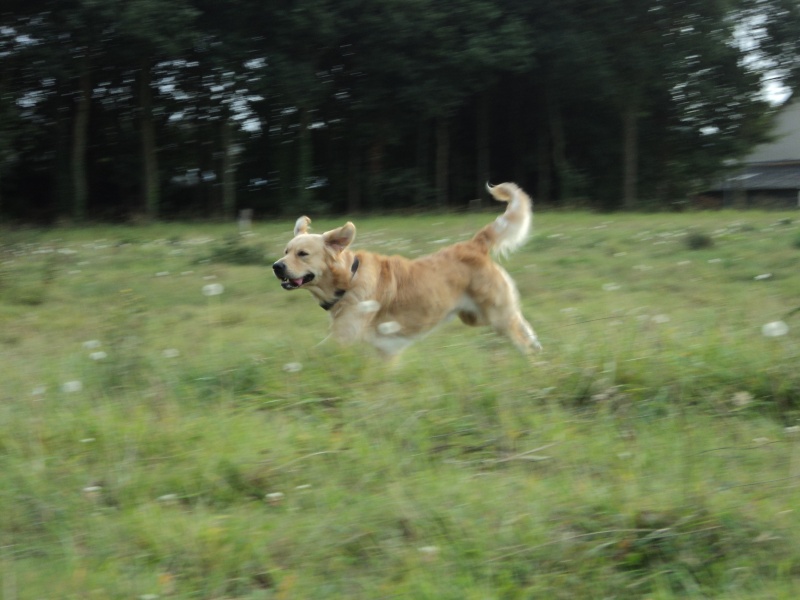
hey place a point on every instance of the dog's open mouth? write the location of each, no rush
(293, 284)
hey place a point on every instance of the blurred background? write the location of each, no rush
(143, 109)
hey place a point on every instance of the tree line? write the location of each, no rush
(112, 109)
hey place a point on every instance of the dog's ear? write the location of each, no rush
(340, 238)
(301, 225)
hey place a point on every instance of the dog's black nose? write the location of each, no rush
(280, 269)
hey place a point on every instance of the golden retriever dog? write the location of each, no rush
(391, 301)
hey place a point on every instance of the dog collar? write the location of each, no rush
(339, 294)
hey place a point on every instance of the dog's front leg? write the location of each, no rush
(349, 330)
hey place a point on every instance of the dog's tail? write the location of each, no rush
(510, 230)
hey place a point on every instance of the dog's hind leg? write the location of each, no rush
(504, 316)
(518, 330)
(522, 334)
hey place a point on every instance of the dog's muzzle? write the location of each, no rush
(280, 270)
(287, 282)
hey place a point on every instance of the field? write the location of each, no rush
(160, 439)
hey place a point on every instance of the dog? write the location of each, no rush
(391, 301)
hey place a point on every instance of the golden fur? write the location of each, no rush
(391, 301)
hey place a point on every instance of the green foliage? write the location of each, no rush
(189, 100)
(698, 240)
(155, 441)
(234, 249)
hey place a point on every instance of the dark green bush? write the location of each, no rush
(697, 240)
(233, 250)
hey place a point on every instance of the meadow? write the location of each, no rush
(173, 424)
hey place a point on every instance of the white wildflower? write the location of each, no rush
(99, 355)
(763, 276)
(611, 287)
(213, 289)
(171, 353)
(765, 536)
(792, 430)
(91, 344)
(775, 329)
(162, 273)
(92, 491)
(742, 399)
(72, 386)
(39, 390)
(293, 367)
(660, 319)
(429, 553)
(274, 498)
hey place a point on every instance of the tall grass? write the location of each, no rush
(156, 442)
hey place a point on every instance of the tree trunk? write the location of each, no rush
(62, 195)
(228, 169)
(304, 160)
(377, 151)
(544, 180)
(630, 154)
(423, 160)
(558, 146)
(3, 94)
(150, 187)
(353, 178)
(442, 160)
(482, 135)
(80, 134)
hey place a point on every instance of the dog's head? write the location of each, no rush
(314, 261)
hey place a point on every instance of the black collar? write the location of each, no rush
(339, 294)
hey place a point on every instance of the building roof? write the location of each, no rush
(764, 176)
(786, 146)
(774, 165)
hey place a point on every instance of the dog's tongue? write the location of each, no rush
(297, 282)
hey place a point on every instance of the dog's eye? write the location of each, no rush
(302, 253)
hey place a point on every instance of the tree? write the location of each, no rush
(773, 27)
(66, 37)
(354, 104)
(428, 60)
(642, 57)
(155, 32)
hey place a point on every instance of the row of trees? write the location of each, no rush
(113, 108)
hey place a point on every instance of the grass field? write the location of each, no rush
(158, 442)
